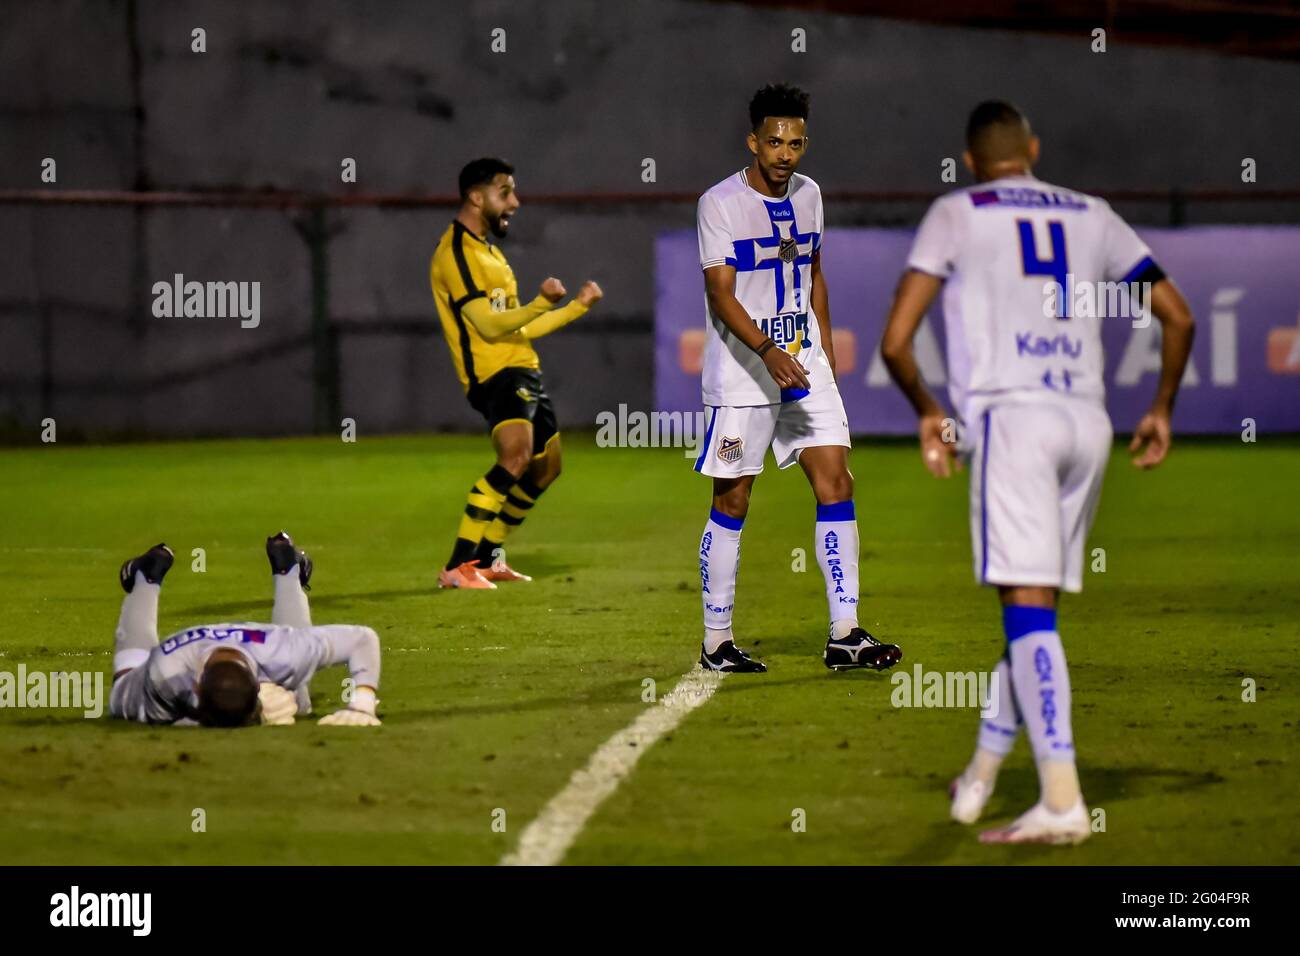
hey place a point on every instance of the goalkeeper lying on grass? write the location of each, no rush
(234, 675)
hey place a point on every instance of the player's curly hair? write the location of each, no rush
(480, 172)
(777, 99)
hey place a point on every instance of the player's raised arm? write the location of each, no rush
(916, 291)
(821, 304)
(720, 288)
(493, 323)
(587, 296)
(1153, 434)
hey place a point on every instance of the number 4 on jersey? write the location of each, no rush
(1055, 267)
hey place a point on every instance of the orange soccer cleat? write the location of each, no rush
(500, 571)
(465, 575)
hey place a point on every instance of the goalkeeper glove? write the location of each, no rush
(359, 713)
(278, 705)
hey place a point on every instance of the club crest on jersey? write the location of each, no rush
(789, 249)
(730, 450)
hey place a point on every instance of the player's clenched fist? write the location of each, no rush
(553, 289)
(590, 293)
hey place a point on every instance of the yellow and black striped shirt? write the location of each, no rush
(464, 268)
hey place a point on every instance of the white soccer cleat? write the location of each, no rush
(968, 798)
(1040, 825)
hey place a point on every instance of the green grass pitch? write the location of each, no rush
(491, 701)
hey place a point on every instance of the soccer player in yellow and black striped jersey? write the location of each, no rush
(490, 336)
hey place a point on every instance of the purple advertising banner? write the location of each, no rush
(1243, 284)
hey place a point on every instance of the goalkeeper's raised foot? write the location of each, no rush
(283, 556)
(153, 564)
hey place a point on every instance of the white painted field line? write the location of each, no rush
(545, 841)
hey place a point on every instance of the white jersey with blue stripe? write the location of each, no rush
(770, 242)
(1001, 245)
(280, 655)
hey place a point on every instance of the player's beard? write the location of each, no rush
(498, 230)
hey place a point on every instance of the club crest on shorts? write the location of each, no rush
(789, 249)
(730, 450)
(522, 392)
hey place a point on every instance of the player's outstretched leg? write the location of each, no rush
(998, 730)
(291, 569)
(137, 625)
(719, 560)
(1041, 682)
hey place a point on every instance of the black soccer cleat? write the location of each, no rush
(154, 563)
(860, 649)
(730, 659)
(283, 556)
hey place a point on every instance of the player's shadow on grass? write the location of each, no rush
(1017, 790)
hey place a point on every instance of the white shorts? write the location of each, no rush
(738, 436)
(1036, 474)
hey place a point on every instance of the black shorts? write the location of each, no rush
(517, 394)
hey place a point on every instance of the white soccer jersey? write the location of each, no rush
(770, 242)
(281, 655)
(998, 245)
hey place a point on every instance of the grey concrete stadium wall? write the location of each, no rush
(584, 92)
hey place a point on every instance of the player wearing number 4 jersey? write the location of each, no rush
(1025, 380)
(769, 379)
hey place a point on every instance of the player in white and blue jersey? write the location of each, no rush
(1013, 256)
(235, 674)
(769, 378)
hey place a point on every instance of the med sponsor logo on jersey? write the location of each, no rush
(789, 331)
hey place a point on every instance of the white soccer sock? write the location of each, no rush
(290, 608)
(137, 625)
(837, 553)
(1041, 682)
(719, 559)
(999, 730)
